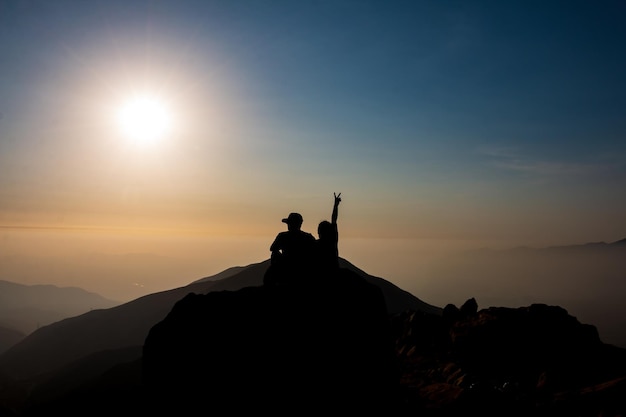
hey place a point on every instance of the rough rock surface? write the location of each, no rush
(287, 349)
(528, 361)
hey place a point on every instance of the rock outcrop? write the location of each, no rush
(289, 349)
(301, 349)
(331, 346)
(529, 361)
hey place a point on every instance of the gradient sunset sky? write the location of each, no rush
(485, 122)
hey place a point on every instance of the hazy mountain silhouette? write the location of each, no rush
(602, 246)
(586, 279)
(396, 298)
(126, 326)
(9, 337)
(231, 340)
(621, 242)
(25, 308)
(313, 347)
(228, 272)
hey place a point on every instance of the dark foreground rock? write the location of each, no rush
(528, 361)
(302, 349)
(289, 349)
(306, 350)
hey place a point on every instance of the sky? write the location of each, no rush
(444, 125)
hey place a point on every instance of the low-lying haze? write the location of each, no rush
(588, 282)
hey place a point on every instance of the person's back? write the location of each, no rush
(327, 246)
(291, 252)
(294, 246)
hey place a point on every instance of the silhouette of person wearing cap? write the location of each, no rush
(326, 246)
(291, 251)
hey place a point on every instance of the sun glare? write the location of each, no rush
(144, 119)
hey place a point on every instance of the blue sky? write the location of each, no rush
(479, 121)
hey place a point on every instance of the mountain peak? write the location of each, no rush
(280, 347)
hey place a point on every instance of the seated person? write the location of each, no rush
(291, 252)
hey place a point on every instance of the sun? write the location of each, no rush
(144, 118)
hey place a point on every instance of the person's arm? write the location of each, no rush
(276, 244)
(336, 208)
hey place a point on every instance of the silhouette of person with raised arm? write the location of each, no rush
(291, 252)
(327, 244)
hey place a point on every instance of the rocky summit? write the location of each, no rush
(282, 349)
(298, 349)
(528, 361)
(331, 344)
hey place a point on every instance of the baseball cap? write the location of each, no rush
(293, 218)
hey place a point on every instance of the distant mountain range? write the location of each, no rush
(617, 245)
(589, 280)
(226, 341)
(9, 337)
(25, 308)
(125, 326)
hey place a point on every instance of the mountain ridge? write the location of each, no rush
(579, 246)
(97, 357)
(587, 279)
(25, 308)
(128, 324)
